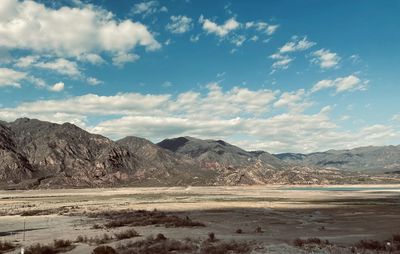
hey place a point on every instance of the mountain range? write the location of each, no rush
(39, 154)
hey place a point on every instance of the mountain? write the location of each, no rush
(163, 166)
(372, 159)
(14, 166)
(39, 154)
(64, 155)
(237, 166)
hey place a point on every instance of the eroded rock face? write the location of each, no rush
(35, 153)
(14, 167)
(66, 151)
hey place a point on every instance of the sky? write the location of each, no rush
(279, 76)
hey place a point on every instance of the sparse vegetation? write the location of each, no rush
(225, 247)
(158, 245)
(259, 230)
(104, 250)
(239, 231)
(6, 246)
(370, 245)
(58, 246)
(126, 234)
(144, 218)
(310, 241)
(211, 237)
(105, 238)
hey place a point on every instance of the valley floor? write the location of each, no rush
(270, 218)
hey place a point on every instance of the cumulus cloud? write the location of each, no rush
(238, 115)
(69, 32)
(58, 87)
(148, 8)
(280, 61)
(325, 58)
(121, 59)
(62, 66)
(93, 81)
(297, 45)
(179, 24)
(219, 30)
(295, 101)
(10, 77)
(262, 27)
(342, 84)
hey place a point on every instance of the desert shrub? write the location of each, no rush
(126, 234)
(239, 231)
(259, 230)
(158, 245)
(396, 238)
(96, 226)
(370, 245)
(316, 241)
(104, 250)
(40, 249)
(211, 237)
(225, 247)
(160, 237)
(61, 243)
(94, 240)
(6, 246)
(144, 218)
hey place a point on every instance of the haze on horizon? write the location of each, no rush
(279, 76)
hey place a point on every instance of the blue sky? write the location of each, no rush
(298, 76)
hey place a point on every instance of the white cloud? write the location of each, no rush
(342, 84)
(396, 117)
(62, 66)
(238, 40)
(69, 32)
(295, 101)
(58, 87)
(195, 38)
(27, 61)
(121, 59)
(281, 61)
(148, 8)
(9, 77)
(238, 115)
(325, 58)
(296, 45)
(262, 27)
(93, 81)
(91, 58)
(179, 24)
(219, 30)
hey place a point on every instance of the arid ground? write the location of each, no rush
(267, 218)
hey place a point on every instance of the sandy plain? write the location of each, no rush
(342, 214)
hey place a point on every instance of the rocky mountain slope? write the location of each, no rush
(13, 165)
(372, 159)
(237, 166)
(40, 154)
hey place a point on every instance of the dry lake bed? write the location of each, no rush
(244, 219)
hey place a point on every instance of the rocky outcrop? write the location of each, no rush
(14, 167)
(372, 159)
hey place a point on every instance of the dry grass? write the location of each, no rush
(310, 241)
(58, 246)
(158, 245)
(104, 250)
(105, 238)
(144, 218)
(130, 233)
(232, 247)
